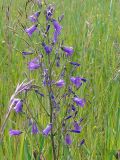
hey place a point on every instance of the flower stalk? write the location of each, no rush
(51, 62)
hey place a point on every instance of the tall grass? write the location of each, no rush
(93, 28)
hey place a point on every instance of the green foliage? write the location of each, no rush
(92, 27)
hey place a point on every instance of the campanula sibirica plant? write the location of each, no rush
(58, 85)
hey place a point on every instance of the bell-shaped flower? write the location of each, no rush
(79, 101)
(57, 26)
(77, 81)
(55, 37)
(77, 127)
(34, 64)
(14, 132)
(75, 64)
(30, 30)
(34, 129)
(24, 53)
(68, 139)
(18, 105)
(60, 83)
(82, 142)
(68, 50)
(34, 17)
(49, 12)
(47, 130)
(48, 49)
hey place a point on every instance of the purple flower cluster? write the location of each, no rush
(60, 86)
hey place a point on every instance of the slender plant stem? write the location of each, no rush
(52, 135)
(51, 113)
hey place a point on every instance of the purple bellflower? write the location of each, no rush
(68, 117)
(55, 37)
(57, 26)
(14, 132)
(47, 28)
(60, 83)
(77, 81)
(34, 64)
(34, 129)
(49, 12)
(34, 17)
(47, 130)
(18, 105)
(26, 53)
(68, 139)
(75, 64)
(82, 142)
(79, 101)
(73, 108)
(75, 131)
(68, 50)
(48, 49)
(76, 126)
(30, 30)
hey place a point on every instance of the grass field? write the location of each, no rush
(92, 27)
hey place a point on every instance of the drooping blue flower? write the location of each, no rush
(49, 12)
(34, 17)
(18, 105)
(70, 116)
(82, 142)
(55, 37)
(47, 130)
(60, 83)
(68, 50)
(75, 64)
(34, 129)
(34, 64)
(47, 28)
(79, 101)
(77, 81)
(14, 132)
(75, 131)
(48, 49)
(76, 126)
(26, 53)
(68, 139)
(30, 30)
(57, 26)
(73, 108)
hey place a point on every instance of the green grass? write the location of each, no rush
(93, 28)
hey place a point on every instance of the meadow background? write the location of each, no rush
(92, 27)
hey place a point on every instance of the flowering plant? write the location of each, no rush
(58, 86)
